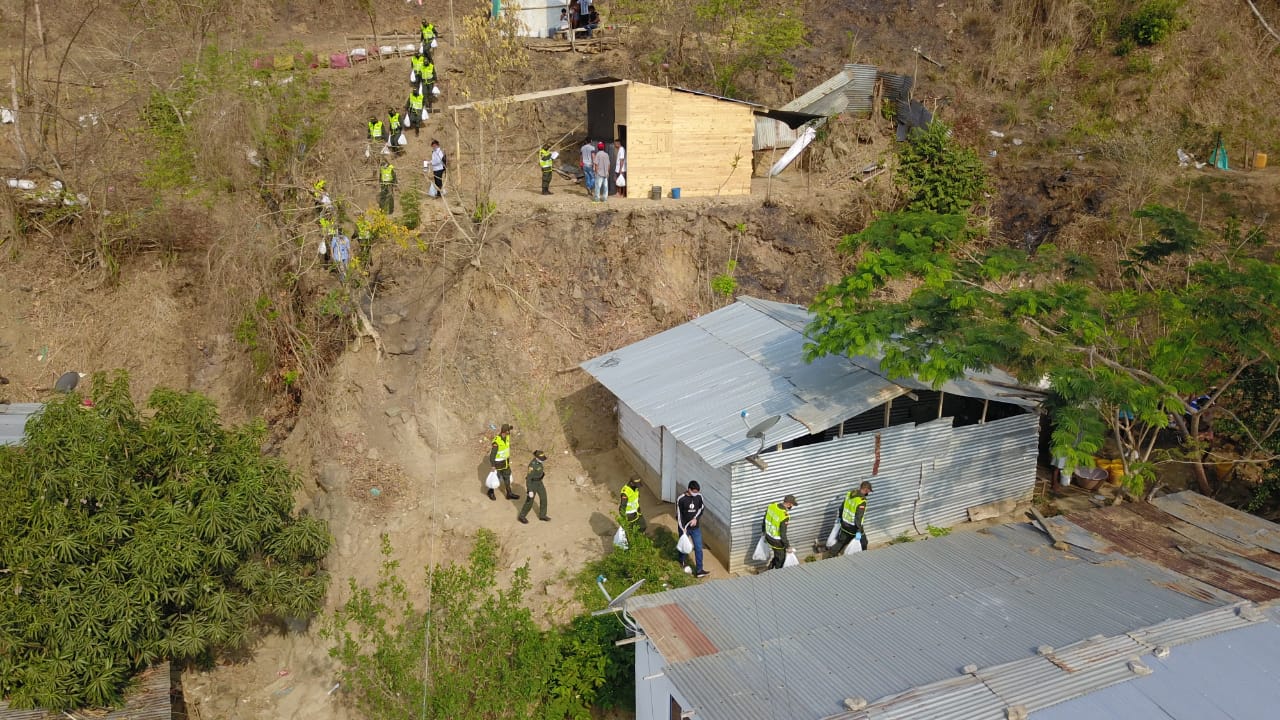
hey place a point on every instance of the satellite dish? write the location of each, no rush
(759, 429)
(622, 596)
(757, 432)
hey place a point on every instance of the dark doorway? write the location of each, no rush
(600, 115)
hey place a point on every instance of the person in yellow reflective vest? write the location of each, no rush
(364, 241)
(500, 460)
(428, 86)
(394, 127)
(774, 527)
(375, 129)
(429, 34)
(545, 162)
(386, 187)
(855, 506)
(413, 108)
(629, 504)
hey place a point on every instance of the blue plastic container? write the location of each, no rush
(675, 193)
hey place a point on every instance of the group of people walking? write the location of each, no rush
(777, 518)
(689, 510)
(390, 133)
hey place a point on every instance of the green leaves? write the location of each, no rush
(1119, 359)
(120, 537)
(941, 176)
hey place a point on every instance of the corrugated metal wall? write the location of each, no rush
(861, 87)
(643, 438)
(930, 474)
(772, 133)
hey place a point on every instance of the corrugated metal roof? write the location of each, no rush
(13, 421)
(150, 700)
(880, 623)
(1234, 675)
(696, 378)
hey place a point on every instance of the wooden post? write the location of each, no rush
(941, 395)
(457, 142)
(985, 403)
(887, 407)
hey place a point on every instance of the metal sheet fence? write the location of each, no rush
(643, 438)
(929, 474)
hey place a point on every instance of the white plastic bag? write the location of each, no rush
(791, 560)
(622, 181)
(684, 544)
(433, 43)
(763, 551)
(323, 248)
(834, 536)
(620, 539)
(425, 116)
(491, 481)
(400, 139)
(435, 91)
(855, 545)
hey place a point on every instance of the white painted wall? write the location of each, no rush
(653, 697)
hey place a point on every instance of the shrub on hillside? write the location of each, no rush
(941, 175)
(129, 539)
(1151, 24)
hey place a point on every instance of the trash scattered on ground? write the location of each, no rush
(6, 116)
(1017, 141)
(1186, 160)
(996, 133)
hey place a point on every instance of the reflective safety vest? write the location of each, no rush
(633, 499)
(504, 449)
(415, 101)
(773, 519)
(851, 504)
(393, 120)
(375, 129)
(429, 73)
(318, 187)
(419, 64)
(428, 32)
(544, 159)
(362, 230)
(387, 173)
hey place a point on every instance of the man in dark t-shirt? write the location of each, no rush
(689, 513)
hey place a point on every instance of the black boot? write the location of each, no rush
(491, 496)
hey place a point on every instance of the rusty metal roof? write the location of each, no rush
(151, 700)
(1212, 546)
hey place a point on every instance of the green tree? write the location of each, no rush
(485, 657)
(127, 539)
(940, 175)
(1120, 357)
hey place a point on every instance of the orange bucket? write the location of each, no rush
(1259, 161)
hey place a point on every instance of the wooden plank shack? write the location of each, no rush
(697, 143)
(674, 138)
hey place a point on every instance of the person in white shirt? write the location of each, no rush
(620, 168)
(436, 164)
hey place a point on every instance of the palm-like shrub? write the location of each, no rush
(129, 538)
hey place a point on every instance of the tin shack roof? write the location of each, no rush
(149, 700)
(696, 378)
(963, 626)
(13, 421)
